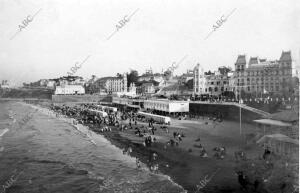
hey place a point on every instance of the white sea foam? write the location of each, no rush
(3, 132)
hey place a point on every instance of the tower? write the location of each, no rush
(240, 64)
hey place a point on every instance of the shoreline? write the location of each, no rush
(113, 141)
(172, 157)
(184, 168)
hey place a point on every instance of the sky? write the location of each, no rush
(159, 33)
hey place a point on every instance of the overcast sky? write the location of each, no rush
(159, 33)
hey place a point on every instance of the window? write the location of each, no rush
(216, 89)
(222, 89)
(209, 89)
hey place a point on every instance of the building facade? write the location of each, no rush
(213, 84)
(146, 88)
(4, 84)
(116, 84)
(262, 76)
(69, 90)
(167, 106)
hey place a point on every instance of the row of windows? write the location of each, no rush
(262, 79)
(210, 89)
(262, 88)
(266, 72)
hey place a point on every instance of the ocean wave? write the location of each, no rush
(3, 132)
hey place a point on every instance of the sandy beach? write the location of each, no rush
(183, 162)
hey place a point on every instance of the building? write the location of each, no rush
(185, 77)
(69, 90)
(158, 105)
(43, 82)
(51, 83)
(209, 83)
(4, 84)
(167, 106)
(146, 88)
(132, 91)
(262, 76)
(113, 84)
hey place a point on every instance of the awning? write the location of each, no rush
(278, 137)
(273, 122)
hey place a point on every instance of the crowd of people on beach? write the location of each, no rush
(147, 131)
(121, 121)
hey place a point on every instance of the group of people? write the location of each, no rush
(220, 152)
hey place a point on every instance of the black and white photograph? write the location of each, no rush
(140, 96)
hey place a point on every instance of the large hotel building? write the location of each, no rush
(262, 76)
(259, 76)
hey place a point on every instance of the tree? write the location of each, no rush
(224, 70)
(190, 83)
(132, 77)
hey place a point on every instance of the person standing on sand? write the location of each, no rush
(137, 162)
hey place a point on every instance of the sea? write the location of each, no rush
(42, 153)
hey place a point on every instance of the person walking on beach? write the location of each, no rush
(138, 164)
(152, 130)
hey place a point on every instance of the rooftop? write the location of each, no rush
(285, 56)
(241, 59)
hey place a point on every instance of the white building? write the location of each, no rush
(69, 90)
(131, 91)
(113, 84)
(51, 83)
(167, 105)
(210, 83)
(4, 84)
